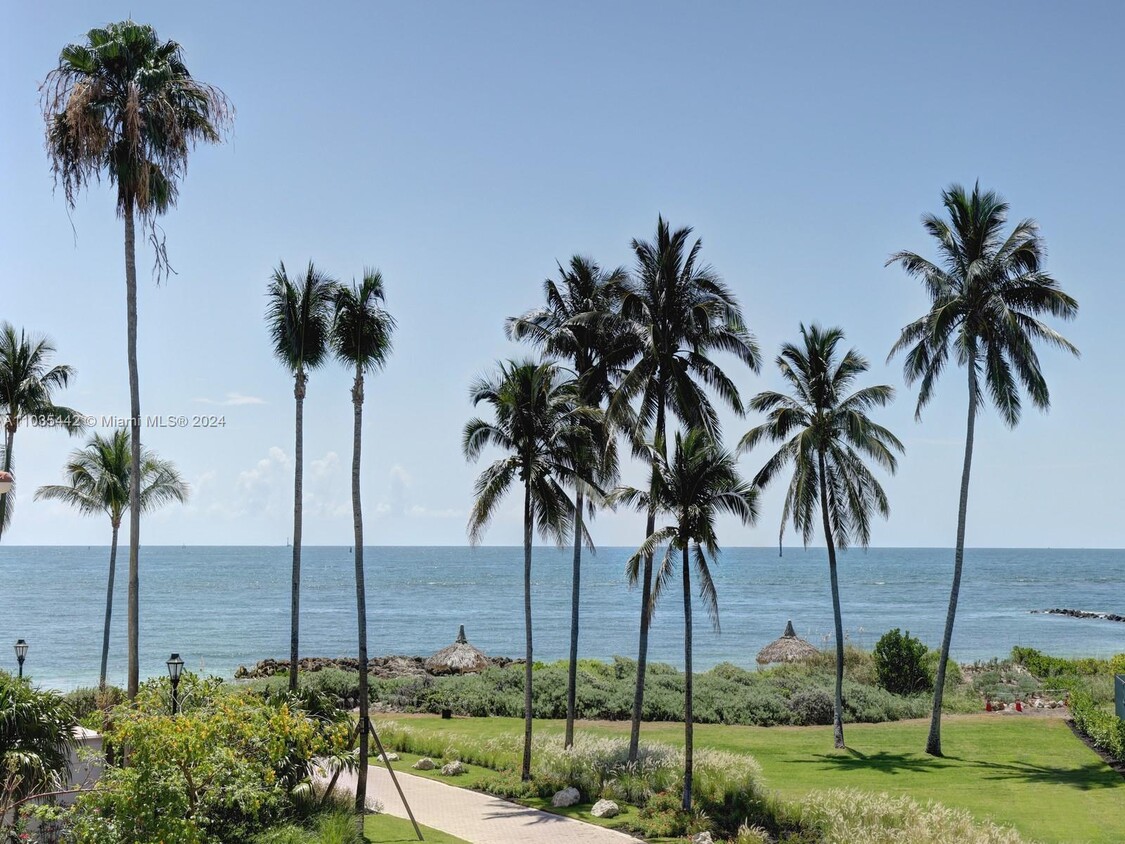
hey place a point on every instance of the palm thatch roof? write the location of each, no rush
(458, 658)
(789, 648)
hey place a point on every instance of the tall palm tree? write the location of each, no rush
(27, 380)
(299, 318)
(579, 323)
(122, 104)
(987, 292)
(699, 482)
(539, 427)
(682, 312)
(98, 483)
(825, 434)
(361, 337)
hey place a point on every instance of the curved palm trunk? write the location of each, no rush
(646, 596)
(9, 441)
(838, 702)
(360, 594)
(933, 741)
(134, 454)
(688, 684)
(298, 505)
(528, 520)
(575, 592)
(108, 605)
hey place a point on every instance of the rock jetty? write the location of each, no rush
(1101, 616)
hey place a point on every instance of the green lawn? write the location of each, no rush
(1030, 773)
(386, 829)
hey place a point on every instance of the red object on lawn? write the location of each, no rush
(1019, 706)
(988, 706)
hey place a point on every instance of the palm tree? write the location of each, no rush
(825, 434)
(361, 336)
(579, 323)
(681, 312)
(299, 318)
(539, 425)
(698, 483)
(986, 294)
(98, 482)
(123, 104)
(27, 380)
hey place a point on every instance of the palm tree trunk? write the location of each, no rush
(360, 593)
(298, 505)
(688, 738)
(933, 741)
(838, 703)
(646, 595)
(9, 441)
(108, 605)
(528, 520)
(134, 454)
(575, 591)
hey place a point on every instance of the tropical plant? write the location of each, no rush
(27, 380)
(299, 318)
(123, 104)
(579, 323)
(539, 425)
(361, 337)
(35, 739)
(98, 483)
(826, 434)
(987, 292)
(900, 663)
(699, 482)
(681, 312)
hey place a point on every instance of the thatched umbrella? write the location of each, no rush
(458, 658)
(789, 648)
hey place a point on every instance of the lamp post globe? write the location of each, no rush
(21, 654)
(175, 669)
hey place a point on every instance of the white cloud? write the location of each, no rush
(233, 400)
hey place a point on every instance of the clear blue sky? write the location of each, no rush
(463, 148)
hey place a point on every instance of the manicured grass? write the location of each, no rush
(1027, 772)
(387, 829)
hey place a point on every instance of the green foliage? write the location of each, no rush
(228, 766)
(1044, 666)
(333, 827)
(1104, 729)
(899, 664)
(90, 700)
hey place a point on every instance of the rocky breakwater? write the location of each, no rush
(1100, 616)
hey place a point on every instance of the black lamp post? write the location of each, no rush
(21, 654)
(175, 669)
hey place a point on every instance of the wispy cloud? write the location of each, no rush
(233, 400)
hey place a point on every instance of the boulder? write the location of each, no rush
(605, 809)
(453, 769)
(703, 838)
(567, 797)
(424, 764)
(392, 757)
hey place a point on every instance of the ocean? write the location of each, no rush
(221, 607)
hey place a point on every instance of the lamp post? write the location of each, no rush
(21, 654)
(175, 669)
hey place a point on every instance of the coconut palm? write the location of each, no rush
(27, 380)
(98, 483)
(693, 487)
(539, 425)
(681, 312)
(299, 318)
(825, 435)
(361, 337)
(579, 323)
(987, 291)
(123, 105)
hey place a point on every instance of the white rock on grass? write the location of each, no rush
(605, 809)
(566, 797)
(424, 764)
(703, 838)
(392, 757)
(453, 769)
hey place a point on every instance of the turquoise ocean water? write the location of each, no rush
(220, 607)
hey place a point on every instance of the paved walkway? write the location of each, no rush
(477, 818)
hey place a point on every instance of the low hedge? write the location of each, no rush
(1104, 729)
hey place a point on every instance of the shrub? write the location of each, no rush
(1104, 729)
(90, 700)
(1043, 666)
(1117, 664)
(814, 706)
(898, 663)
